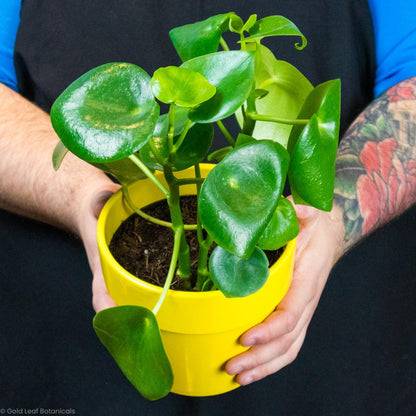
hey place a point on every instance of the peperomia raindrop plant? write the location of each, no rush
(110, 117)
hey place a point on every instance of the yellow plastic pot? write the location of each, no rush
(200, 330)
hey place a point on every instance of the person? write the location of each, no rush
(375, 179)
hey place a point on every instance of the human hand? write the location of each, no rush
(276, 342)
(89, 212)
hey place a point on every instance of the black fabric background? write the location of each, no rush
(359, 354)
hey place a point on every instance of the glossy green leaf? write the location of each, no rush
(107, 114)
(124, 170)
(282, 228)
(240, 194)
(287, 91)
(58, 155)
(238, 277)
(275, 26)
(312, 166)
(199, 38)
(181, 86)
(194, 148)
(232, 73)
(131, 335)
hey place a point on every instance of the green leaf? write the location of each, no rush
(287, 91)
(107, 114)
(275, 26)
(199, 38)
(194, 148)
(237, 277)
(58, 155)
(232, 73)
(220, 154)
(181, 86)
(131, 335)
(124, 170)
(282, 228)
(240, 194)
(312, 166)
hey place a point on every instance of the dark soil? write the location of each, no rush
(144, 249)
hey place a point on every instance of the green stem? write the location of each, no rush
(224, 44)
(184, 261)
(249, 122)
(138, 211)
(203, 272)
(171, 128)
(226, 133)
(149, 174)
(260, 117)
(178, 143)
(190, 181)
(172, 268)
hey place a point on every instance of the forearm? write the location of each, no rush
(28, 184)
(376, 164)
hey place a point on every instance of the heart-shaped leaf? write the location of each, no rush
(237, 277)
(287, 91)
(275, 26)
(240, 194)
(282, 228)
(131, 335)
(232, 73)
(199, 38)
(181, 86)
(107, 114)
(314, 149)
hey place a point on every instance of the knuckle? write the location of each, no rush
(292, 354)
(290, 322)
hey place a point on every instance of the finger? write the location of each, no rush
(259, 372)
(101, 298)
(284, 319)
(262, 354)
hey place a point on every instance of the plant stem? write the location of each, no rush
(226, 133)
(203, 272)
(149, 174)
(261, 117)
(184, 261)
(177, 145)
(172, 268)
(224, 44)
(204, 244)
(138, 211)
(171, 128)
(188, 181)
(249, 122)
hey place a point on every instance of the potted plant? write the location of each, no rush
(110, 117)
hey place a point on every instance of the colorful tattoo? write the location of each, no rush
(376, 165)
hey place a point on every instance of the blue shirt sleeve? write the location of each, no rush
(9, 22)
(395, 35)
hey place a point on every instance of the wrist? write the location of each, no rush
(337, 231)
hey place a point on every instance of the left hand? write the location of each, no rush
(276, 342)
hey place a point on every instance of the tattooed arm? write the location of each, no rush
(375, 182)
(376, 165)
